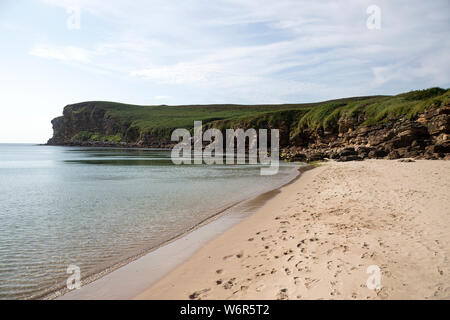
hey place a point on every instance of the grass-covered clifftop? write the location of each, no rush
(152, 125)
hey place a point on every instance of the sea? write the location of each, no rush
(95, 207)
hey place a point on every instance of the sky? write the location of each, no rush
(58, 52)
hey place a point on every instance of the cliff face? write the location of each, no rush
(414, 125)
(81, 121)
(426, 136)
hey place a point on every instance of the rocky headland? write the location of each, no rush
(409, 125)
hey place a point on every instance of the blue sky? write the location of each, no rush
(224, 51)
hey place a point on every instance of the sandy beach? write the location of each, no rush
(318, 236)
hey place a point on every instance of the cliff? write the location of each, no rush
(414, 124)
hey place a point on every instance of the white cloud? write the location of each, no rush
(68, 53)
(287, 47)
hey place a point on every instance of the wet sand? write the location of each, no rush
(317, 238)
(136, 274)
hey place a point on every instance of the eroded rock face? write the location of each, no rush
(91, 117)
(58, 137)
(427, 136)
(76, 118)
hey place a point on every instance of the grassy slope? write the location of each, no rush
(377, 109)
(161, 120)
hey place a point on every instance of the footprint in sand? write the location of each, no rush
(282, 295)
(229, 284)
(309, 282)
(335, 292)
(243, 288)
(329, 265)
(260, 287)
(197, 294)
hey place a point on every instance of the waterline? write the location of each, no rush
(98, 207)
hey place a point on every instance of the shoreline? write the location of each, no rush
(317, 238)
(230, 215)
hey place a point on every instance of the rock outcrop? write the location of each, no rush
(426, 136)
(410, 125)
(89, 124)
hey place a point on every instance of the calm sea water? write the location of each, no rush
(94, 208)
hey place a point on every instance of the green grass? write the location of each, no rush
(155, 118)
(92, 136)
(323, 116)
(375, 110)
(316, 163)
(161, 120)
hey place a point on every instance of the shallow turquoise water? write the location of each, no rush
(96, 207)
